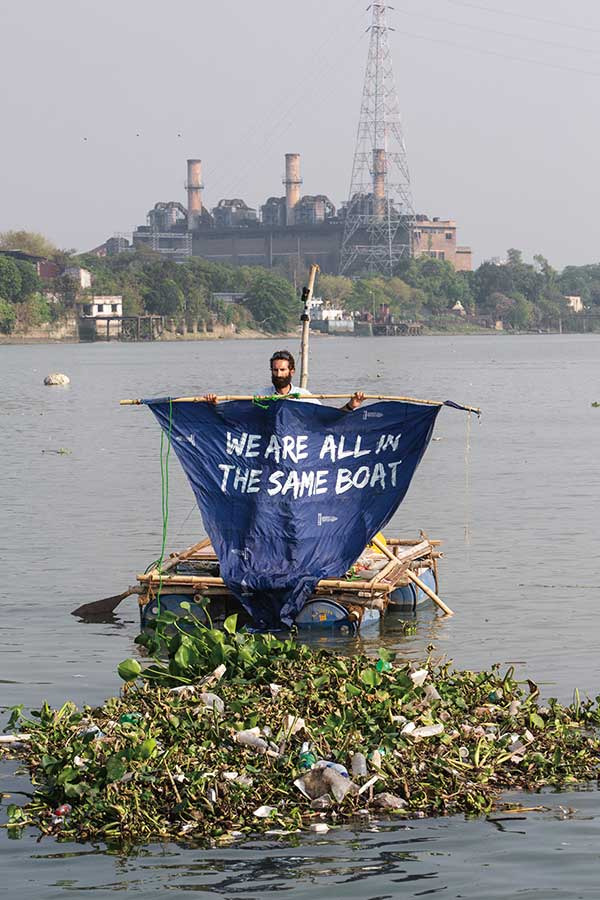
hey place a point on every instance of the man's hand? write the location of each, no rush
(355, 400)
(210, 398)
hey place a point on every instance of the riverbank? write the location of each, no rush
(68, 333)
(224, 333)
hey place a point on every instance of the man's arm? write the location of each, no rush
(354, 402)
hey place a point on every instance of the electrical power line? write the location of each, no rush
(517, 15)
(487, 52)
(313, 69)
(283, 122)
(509, 34)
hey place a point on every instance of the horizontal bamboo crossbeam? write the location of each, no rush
(227, 397)
(213, 581)
(409, 542)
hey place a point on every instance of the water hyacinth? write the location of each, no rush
(223, 755)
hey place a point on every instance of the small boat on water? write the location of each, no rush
(293, 496)
(375, 585)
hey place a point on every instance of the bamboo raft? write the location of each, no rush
(397, 574)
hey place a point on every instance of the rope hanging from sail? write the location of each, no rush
(164, 494)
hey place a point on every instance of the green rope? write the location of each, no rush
(263, 402)
(164, 495)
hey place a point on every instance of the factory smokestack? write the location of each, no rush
(194, 192)
(292, 183)
(379, 172)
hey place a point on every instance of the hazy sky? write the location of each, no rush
(102, 101)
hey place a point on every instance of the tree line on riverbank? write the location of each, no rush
(523, 295)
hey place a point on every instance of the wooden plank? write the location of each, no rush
(409, 553)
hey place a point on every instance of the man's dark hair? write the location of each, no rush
(283, 354)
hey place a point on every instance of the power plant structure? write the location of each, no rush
(379, 217)
(371, 233)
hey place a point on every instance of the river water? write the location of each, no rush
(514, 497)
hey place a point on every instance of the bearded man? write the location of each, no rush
(283, 367)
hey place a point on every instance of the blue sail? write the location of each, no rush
(292, 492)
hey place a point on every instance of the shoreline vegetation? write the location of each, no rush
(202, 298)
(223, 734)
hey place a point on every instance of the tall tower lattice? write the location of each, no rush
(379, 215)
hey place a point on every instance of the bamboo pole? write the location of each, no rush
(307, 294)
(416, 580)
(407, 554)
(404, 542)
(227, 397)
(181, 557)
(214, 581)
(431, 594)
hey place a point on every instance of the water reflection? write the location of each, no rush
(426, 627)
(544, 856)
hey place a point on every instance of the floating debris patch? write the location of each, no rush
(234, 733)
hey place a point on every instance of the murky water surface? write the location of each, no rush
(514, 498)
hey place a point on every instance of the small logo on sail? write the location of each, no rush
(322, 520)
(371, 415)
(243, 554)
(186, 439)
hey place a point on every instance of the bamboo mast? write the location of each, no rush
(307, 295)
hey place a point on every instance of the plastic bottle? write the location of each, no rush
(63, 810)
(382, 665)
(249, 738)
(130, 718)
(358, 764)
(424, 731)
(307, 758)
(337, 767)
(59, 815)
(91, 733)
(338, 785)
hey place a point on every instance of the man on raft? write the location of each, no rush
(283, 367)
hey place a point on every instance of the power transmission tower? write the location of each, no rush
(379, 215)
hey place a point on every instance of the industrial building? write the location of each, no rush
(372, 232)
(437, 238)
(306, 228)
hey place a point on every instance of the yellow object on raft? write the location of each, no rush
(378, 537)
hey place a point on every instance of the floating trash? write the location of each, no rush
(418, 678)
(425, 731)
(160, 762)
(263, 812)
(358, 764)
